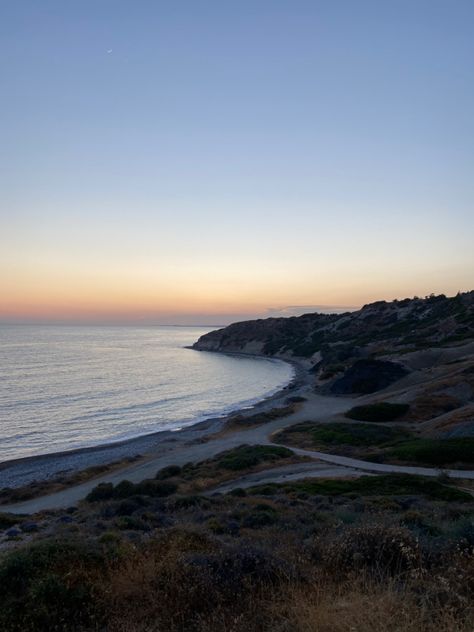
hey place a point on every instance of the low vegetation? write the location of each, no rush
(8, 520)
(435, 451)
(247, 456)
(341, 437)
(379, 412)
(377, 553)
(126, 489)
(379, 443)
(386, 485)
(193, 477)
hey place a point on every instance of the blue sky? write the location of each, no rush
(189, 160)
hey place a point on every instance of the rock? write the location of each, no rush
(368, 376)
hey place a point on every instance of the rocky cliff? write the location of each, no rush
(333, 343)
(404, 325)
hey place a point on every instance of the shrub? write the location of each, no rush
(377, 547)
(436, 451)
(246, 456)
(168, 472)
(156, 488)
(233, 566)
(184, 502)
(110, 538)
(103, 491)
(216, 526)
(132, 523)
(238, 491)
(126, 489)
(345, 434)
(295, 399)
(9, 520)
(127, 507)
(382, 411)
(46, 586)
(384, 485)
(261, 515)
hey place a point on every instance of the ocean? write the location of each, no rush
(65, 387)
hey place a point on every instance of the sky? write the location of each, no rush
(206, 161)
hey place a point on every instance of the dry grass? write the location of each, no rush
(363, 606)
(369, 578)
(157, 593)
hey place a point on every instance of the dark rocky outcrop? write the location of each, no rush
(368, 376)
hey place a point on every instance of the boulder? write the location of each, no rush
(368, 376)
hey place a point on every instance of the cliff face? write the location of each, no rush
(270, 336)
(428, 343)
(339, 339)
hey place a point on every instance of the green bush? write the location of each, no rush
(239, 492)
(355, 434)
(246, 456)
(384, 485)
(168, 472)
(8, 520)
(132, 523)
(185, 502)
(383, 411)
(216, 526)
(39, 591)
(103, 491)
(260, 517)
(375, 547)
(436, 451)
(126, 489)
(155, 488)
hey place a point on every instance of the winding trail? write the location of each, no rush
(317, 407)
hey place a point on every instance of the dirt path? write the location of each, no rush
(383, 468)
(284, 474)
(316, 407)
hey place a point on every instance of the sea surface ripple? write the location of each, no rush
(64, 387)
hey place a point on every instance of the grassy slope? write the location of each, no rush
(309, 556)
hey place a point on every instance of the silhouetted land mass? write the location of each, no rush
(357, 349)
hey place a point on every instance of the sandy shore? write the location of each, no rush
(18, 472)
(195, 444)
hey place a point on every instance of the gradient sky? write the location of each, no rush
(197, 161)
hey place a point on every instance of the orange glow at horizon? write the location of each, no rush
(68, 296)
(91, 276)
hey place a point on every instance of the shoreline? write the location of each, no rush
(49, 466)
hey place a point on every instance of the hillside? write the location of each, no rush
(328, 514)
(381, 327)
(423, 346)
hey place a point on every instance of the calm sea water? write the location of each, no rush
(68, 387)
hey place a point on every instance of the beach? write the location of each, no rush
(19, 472)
